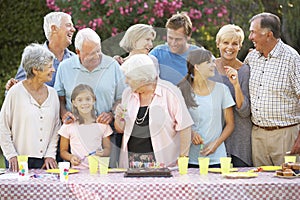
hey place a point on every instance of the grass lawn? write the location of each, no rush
(2, 165)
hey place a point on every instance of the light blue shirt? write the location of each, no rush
(21, 74)
(209, 121)
(172, 66)
(107, 81)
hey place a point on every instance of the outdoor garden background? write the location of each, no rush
(21, 22)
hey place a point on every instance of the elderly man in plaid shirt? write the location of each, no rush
(274, 88)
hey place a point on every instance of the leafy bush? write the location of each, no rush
(112, 17)
(21, 23)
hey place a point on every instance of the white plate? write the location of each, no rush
(235, 175)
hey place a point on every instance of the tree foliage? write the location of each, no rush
(21, 23)
(288, 11)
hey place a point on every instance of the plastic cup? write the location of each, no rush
(203, 165)
(23, 171)
(93, 164)
(22, 158)
(64, 168)
(23, 167)
(225, 165)
(289, 159)
(103, 165)
(183, 165)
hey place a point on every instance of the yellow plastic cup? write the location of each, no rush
(22, 158)
(225, 164)
(203, 165)
(23, 167)
(289, 159)
(183, 165)
(103, 165)
(93, 164)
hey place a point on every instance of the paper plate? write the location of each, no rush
(235, 175)
(117, 170)
(270, 168)
(56, 171)
(218, 170)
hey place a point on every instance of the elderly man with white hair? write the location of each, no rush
(152, 116)
(101, 72)
(59, 30)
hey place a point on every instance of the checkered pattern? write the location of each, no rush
(33, 189)
(273, 86)
(83, 186)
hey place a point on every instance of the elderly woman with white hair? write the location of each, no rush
(153, 117)
(29, 118)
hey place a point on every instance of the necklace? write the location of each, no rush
(139, 121)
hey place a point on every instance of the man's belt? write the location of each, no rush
(272, 128)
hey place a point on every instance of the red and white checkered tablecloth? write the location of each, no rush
(191, 186)
(47, 187)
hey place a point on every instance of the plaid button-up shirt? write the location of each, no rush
(274, 86)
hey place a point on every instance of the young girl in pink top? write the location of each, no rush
(84, 136)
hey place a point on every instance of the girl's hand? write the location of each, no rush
(68, 118)
(196, 138)
(75, 160)
(100, 153)
(209, 149)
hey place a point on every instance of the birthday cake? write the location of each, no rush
(148, 172)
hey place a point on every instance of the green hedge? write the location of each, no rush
(21, 23)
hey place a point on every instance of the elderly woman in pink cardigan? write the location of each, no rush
(152, 116)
